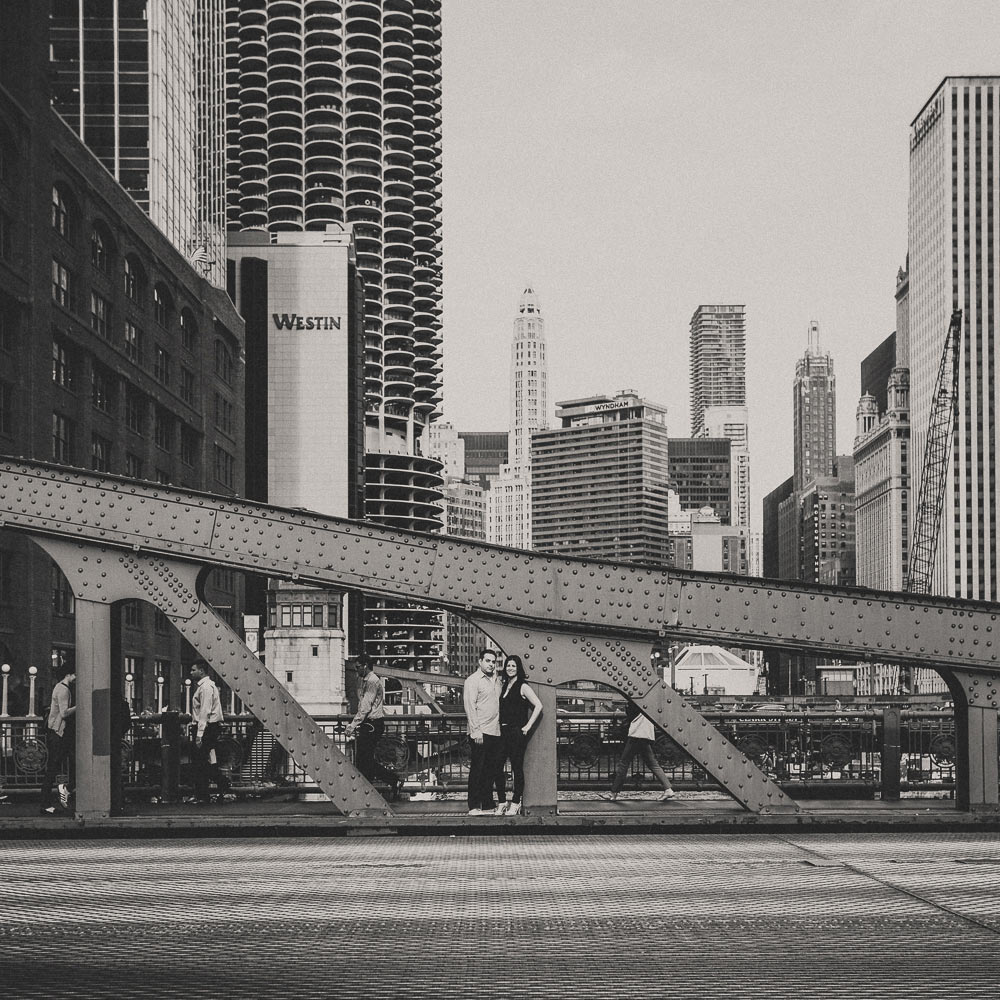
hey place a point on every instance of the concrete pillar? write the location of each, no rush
(976, 739)
(93, 710)
(540, 760)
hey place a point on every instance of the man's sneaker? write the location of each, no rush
(513, 808)
(477, 812)
(64, 795)
(48, 810)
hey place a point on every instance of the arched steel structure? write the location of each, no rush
(571, 619)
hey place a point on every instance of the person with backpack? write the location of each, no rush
(640, 740)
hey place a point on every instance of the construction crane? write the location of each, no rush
(937, 452)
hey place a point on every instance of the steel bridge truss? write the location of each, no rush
(569, 619)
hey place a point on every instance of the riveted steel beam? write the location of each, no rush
(625, 665)
(101, 576)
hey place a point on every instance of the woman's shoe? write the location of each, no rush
(513, 808)
(609, 796)
(503, 808)
(668, 795)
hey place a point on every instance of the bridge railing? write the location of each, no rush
(813, 752)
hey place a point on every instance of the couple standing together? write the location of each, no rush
(501, 711)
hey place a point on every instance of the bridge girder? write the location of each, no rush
(536, 600)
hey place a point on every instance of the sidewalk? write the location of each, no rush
(691, 812)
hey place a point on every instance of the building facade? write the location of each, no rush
(701, 474)
(875, 371)
(732, 423)
(601, 481)
(718, 360)
(333, 115)
(953, 253)
(485, 453)
(881, 476)
(116, 355)
(301, 297)
(142, 83)
(814, 396)
(508, 503)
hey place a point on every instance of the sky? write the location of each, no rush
(632, 159)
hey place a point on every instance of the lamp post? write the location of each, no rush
(32, 674)
(129, 679)
(6, 679)
(187, 695)
(159, 692)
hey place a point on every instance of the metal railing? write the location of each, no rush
(811, 752)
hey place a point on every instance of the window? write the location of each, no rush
(134, 280)
(161, 365)
(100, 453)
(223, 362)
(161, 305)
(189, 446)
(133, 466)
(135, 410)
(189, 330)
(62, 285)
(62, 596)
(225, 467)
(161, 623)
(6, 408)
(301, 615)
(187, 385)
(102, 390)
(163, 429)
(6, 575)
(62, 363)
(10, 318)
(62, 438)
(5, 236)
(162, 477)
(100, 313)
(132, 614)
(100, 248)
(223, 414)
(61, 217)
(133, 342)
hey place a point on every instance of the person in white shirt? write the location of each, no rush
(641, 740)
(206, 717)
(60, 735)
(481, 696)
(369, 724)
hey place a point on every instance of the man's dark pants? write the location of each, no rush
(203, 769)
(483, 766)
(58, 749)
(368, 735)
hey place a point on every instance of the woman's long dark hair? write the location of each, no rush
(521, 678)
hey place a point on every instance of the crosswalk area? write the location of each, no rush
(586, 916)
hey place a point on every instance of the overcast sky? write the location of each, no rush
(634, 158)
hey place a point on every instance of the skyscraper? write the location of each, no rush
(953, 259)
(333, 116)
(719, 392)
(600, 481)
(718, 360)
(141, 83)
(814, 394)
(509, 499)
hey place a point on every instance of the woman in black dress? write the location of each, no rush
(519, 711)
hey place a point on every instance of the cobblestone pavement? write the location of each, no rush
(746, 916)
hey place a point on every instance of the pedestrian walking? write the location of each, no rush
(640, 740)
(206, 716)
(60, 736)
(369, 724)
(520, 708)
(481, 697)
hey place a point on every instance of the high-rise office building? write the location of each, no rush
(601, 481)
(508, 504)
(719, 391)
(485, 453)
(953, 254)
(770, 556)
(876, 368)
(701, 474)
(141, 82)
(718, 360)
(116, 355)
(814, 394)
(333, 116)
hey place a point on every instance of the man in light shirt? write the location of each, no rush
(206, 716)
(369, 724)
(481, 696)
(60, 735)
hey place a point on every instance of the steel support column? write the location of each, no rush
(93, 710)
(976, 714)
(541, 794)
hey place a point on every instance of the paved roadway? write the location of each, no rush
(846, 915)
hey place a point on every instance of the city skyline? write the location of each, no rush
(633, 171)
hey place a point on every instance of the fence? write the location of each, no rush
(810, 752)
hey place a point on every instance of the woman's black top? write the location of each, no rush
(515, 709)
